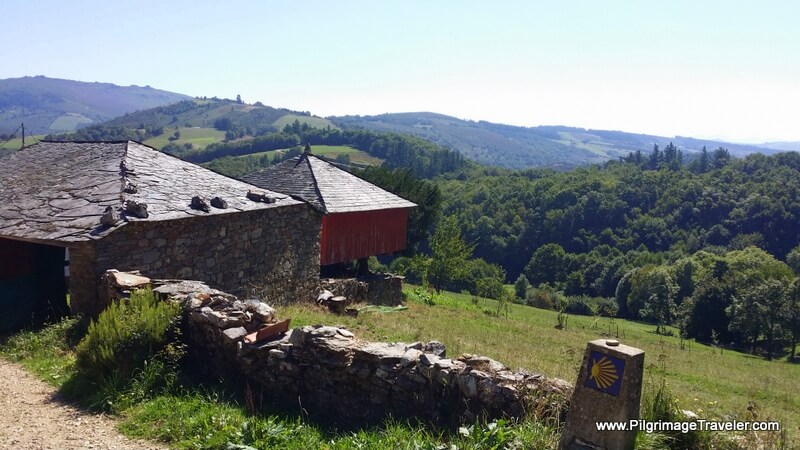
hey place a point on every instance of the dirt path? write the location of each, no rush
(31, 417)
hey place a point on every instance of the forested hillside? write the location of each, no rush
(605, 219)
(48, 105)
(515, 147)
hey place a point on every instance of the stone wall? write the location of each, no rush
(375, 289)
(336, 377)
(270, 253)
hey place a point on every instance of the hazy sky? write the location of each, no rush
(724, 69)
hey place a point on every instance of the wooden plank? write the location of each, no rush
(268, 332)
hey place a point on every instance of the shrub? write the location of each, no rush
(490, 287)
(607, 307)
(578, 306)
(124, 337)
(540, 298)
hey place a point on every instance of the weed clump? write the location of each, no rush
(130, 348)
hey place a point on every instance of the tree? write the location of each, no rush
(793, 260)
(621, 295)
(704, 160)
(548, 264)
(490, 287)
(223, 124)
(793, 321)
(521, 286)
(654, 288)
(655, 158)
(449, 253)
(762, 310)
(720, 157)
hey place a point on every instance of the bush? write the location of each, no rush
(607, 307)
(490, 288)
(579, 306)
(124, 337)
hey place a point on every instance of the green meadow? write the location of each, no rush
(16, 143)
(713, 383)
(315, 122)
(198, 137)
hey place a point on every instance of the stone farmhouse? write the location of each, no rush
(127, 206)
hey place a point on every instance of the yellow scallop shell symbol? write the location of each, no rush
(603, 373)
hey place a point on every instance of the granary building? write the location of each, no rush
(127, 206)
(360, 219)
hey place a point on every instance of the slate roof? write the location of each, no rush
(325, 186)
(58, 191)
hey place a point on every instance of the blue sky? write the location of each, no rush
(721, 69)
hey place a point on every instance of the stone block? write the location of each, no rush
(234, 334)
(609, 388)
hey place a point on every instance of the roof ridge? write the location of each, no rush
(314, 179)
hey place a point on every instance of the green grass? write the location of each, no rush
(70, 121)
(356, 156)
(713, 384)
(331, 152)
(586, 142)
(48, 353)
(314, 122)
(199, 137)
(708, 382)
(16, 143)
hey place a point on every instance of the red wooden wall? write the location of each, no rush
(348, 236)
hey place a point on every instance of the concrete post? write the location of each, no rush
(609, 389)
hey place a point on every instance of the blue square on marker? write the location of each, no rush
(604, 373)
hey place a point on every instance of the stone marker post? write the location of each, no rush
(609, 389)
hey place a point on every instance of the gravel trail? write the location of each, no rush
(33, 417)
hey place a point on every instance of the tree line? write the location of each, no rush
(421, 157)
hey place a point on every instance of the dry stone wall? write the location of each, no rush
(375, 289)
(337, 377)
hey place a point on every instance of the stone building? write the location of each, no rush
(127, 206)
(360, 219)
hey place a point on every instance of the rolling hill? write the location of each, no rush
(48, 105)
(557, 147)
(160, 118)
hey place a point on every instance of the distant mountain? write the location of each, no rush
(48, 105)
(557, 147)
(783, 146)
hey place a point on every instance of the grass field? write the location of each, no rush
(577, 140)
(714, 385)
(331, 152)
(199, 137)
(315, 122)
(16, 143)
(705, 380)
(70, 121)
(356, 156)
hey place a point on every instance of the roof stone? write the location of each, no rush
(58, 191)
(325, 186)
